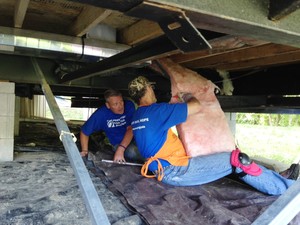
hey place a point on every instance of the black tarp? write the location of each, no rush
(225, 201)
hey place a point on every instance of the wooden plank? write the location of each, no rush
(119, 5)
(137, 33)
(20, 11)
(173, 21)
(219, 45)
(52, 16)
(267, 54)
(279, 59)
(88, 18)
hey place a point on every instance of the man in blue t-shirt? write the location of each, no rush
(114, 119)
(165, 153)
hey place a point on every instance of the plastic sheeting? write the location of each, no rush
(225, 201)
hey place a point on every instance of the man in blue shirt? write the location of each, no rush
(166, 156)
(114, 119)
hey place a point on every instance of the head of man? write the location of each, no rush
(141, 89)
(114, 101)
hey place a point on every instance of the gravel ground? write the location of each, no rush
(40, 188)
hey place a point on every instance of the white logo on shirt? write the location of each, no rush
(137, 127)
(116, 122)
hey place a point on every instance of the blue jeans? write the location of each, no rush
(205, 169)
(131, 153)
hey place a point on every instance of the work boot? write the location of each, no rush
(292, 172)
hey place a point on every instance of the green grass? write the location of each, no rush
(68, 113)
(272, 142)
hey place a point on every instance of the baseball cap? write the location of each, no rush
(138, 85)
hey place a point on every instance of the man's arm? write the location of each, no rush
(193, 104)
(84, 141)
(119, 154)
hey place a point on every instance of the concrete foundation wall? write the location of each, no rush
(7, 117)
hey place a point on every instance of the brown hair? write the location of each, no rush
(111, 92)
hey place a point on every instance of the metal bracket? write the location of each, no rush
(173, 21)
(281, 8)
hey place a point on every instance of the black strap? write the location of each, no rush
(240, 175)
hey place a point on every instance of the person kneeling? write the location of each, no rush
(167, 158)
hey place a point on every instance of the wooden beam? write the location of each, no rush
(137, 33)
(88, 18)
(263, 62)
(20, 12)
(263, 55)
(173, 21)
(122, 6)
(219, 45)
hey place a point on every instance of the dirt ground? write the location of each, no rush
(39, 186)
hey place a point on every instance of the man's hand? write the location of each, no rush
(194, 106)
(184, 97)
(84, 141)
(119, 155)
(84, 153)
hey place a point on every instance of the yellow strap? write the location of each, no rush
(160, 169)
